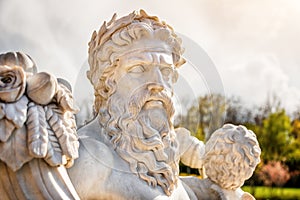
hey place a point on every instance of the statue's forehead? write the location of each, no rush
(146, 56)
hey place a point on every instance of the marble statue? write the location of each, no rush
(38, 138)
(131, 146)
(130, 150)
(231, 156)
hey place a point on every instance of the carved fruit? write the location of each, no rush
(12, 83)
(41, 88)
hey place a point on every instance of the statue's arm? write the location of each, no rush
(191, 149)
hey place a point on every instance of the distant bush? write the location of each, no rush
(274, 173)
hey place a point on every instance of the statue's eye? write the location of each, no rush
(137, 69)
(166, 71)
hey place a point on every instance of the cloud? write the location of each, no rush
(27, 28)
(259, 79)
(248, 41)
(255, 51)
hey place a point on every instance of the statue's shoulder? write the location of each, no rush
(94, 162)
(93, 144)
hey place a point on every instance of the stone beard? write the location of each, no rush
(142, 133)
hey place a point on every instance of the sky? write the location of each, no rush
(250, 48)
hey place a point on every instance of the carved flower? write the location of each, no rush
(12, 83)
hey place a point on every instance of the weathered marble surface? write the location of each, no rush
(130, 150)
(38, 138)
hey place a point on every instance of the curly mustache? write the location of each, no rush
(121, 112)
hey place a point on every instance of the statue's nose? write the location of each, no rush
(155, 88)
(157, 84)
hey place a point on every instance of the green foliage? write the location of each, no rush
(294, 151)
(260, 192)
(279, 139)
(274, 137)
(199, 134)
(296, 129)
(293, 156)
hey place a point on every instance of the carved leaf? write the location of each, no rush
(14, 151)
(65, 100)
(54, 155)
(37, 131)
(6, 129)
(67, 136)
(17, 111)
(12, 115)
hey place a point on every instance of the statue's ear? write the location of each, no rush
(65, 83)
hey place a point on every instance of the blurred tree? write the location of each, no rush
(237, 113)
(296, 113)
(296, 129)
(293, 156)
(279, 138)
(211, 112)
(233, 110)
(205, 116)
(274, 137)
(271, 105)
(191, 121)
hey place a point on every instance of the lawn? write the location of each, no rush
(273, 193)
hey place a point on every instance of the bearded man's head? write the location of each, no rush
(133, 63)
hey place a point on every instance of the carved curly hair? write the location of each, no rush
(231, 155)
